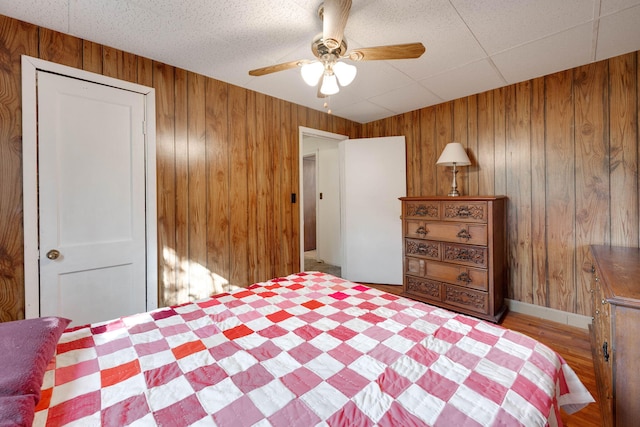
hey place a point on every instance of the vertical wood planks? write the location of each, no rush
(182, 178)
(540, 284)
(16, 38)
(429, 153)
(253, 252)
(61, 48)
(287, 167)
(473, 188)
(460, 121)
(591, 173)
(92, 57)
(163, 82)
(238, 203)
(485, 153)
(118, 64)
(218, 180)
(560, 190)
(262, 188)
(500, 133)
(624, 150)
(273, 199)
(200, 280)
(444, 135)
(518, 102)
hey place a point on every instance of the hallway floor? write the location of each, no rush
(310, 264)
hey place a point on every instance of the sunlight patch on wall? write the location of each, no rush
(185, 280)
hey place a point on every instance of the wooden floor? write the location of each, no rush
(570, 342)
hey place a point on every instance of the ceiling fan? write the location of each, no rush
(330, 48)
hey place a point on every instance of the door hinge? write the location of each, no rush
(144, 127)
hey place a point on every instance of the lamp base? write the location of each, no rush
(453, 193)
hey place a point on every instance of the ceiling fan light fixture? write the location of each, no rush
(312, 72)
(345, 73)
(329, 84)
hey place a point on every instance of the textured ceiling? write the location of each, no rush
(472, 45)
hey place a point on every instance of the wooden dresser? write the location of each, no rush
(455, 253)
(615, 333)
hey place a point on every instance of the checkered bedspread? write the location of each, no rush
(304, 350)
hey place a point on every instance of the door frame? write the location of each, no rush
(315, 156)
(30, 67)
(302, 132)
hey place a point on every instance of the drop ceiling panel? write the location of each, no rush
(611, 6)
(407, 98)
(479, 76)
(559, 52)
(503, 24)
(619, 33)
(436, 24)
(363, 112)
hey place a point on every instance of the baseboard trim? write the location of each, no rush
(551, 314)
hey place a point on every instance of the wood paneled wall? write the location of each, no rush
(563, 148)
(227, 163)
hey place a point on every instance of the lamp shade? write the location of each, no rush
(454, 153)
(312, 72)
(344, 72)
(329, 84)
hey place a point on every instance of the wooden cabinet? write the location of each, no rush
(615, 330)
(455, 253)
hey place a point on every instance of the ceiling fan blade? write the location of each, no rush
(334, 19)
(396, 51)
(277, 67)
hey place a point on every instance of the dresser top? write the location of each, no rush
(619, 268)
(454, 199)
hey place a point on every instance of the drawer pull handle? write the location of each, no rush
(422, 230)
(464, 234)
(464, 277)
(605, 351)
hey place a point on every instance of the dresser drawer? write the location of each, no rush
(466, 298)
(474, 256)
(464, 211)
(473, 278)
(424, 288)
(472, 234)
(422, 209)
(423, 248)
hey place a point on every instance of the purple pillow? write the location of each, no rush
(26, 348)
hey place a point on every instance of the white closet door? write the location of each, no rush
(91, 154)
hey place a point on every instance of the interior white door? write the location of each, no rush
(373, 172)
(91, 160)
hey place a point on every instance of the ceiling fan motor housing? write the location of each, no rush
(322, 51)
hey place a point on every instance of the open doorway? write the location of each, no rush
(320, 201)
(358, 211)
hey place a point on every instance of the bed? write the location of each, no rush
(303, 350)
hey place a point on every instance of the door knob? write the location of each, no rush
(53, 254)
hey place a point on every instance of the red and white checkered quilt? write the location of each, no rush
(304, 350)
